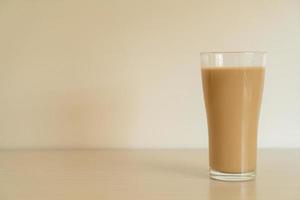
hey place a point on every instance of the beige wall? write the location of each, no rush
(125, 73)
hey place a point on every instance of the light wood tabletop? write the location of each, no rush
(140, 174)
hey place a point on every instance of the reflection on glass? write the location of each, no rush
(232, 190)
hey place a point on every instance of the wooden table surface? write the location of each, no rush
(140, 175)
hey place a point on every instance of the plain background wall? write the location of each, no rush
(125, 73)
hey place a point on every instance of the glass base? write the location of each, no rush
(223, 176)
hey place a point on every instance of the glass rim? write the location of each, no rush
(233, 52)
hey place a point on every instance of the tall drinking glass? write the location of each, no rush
(233, 86)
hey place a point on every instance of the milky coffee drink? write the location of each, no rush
(232, 100)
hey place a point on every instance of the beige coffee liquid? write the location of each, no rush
(232, 100)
